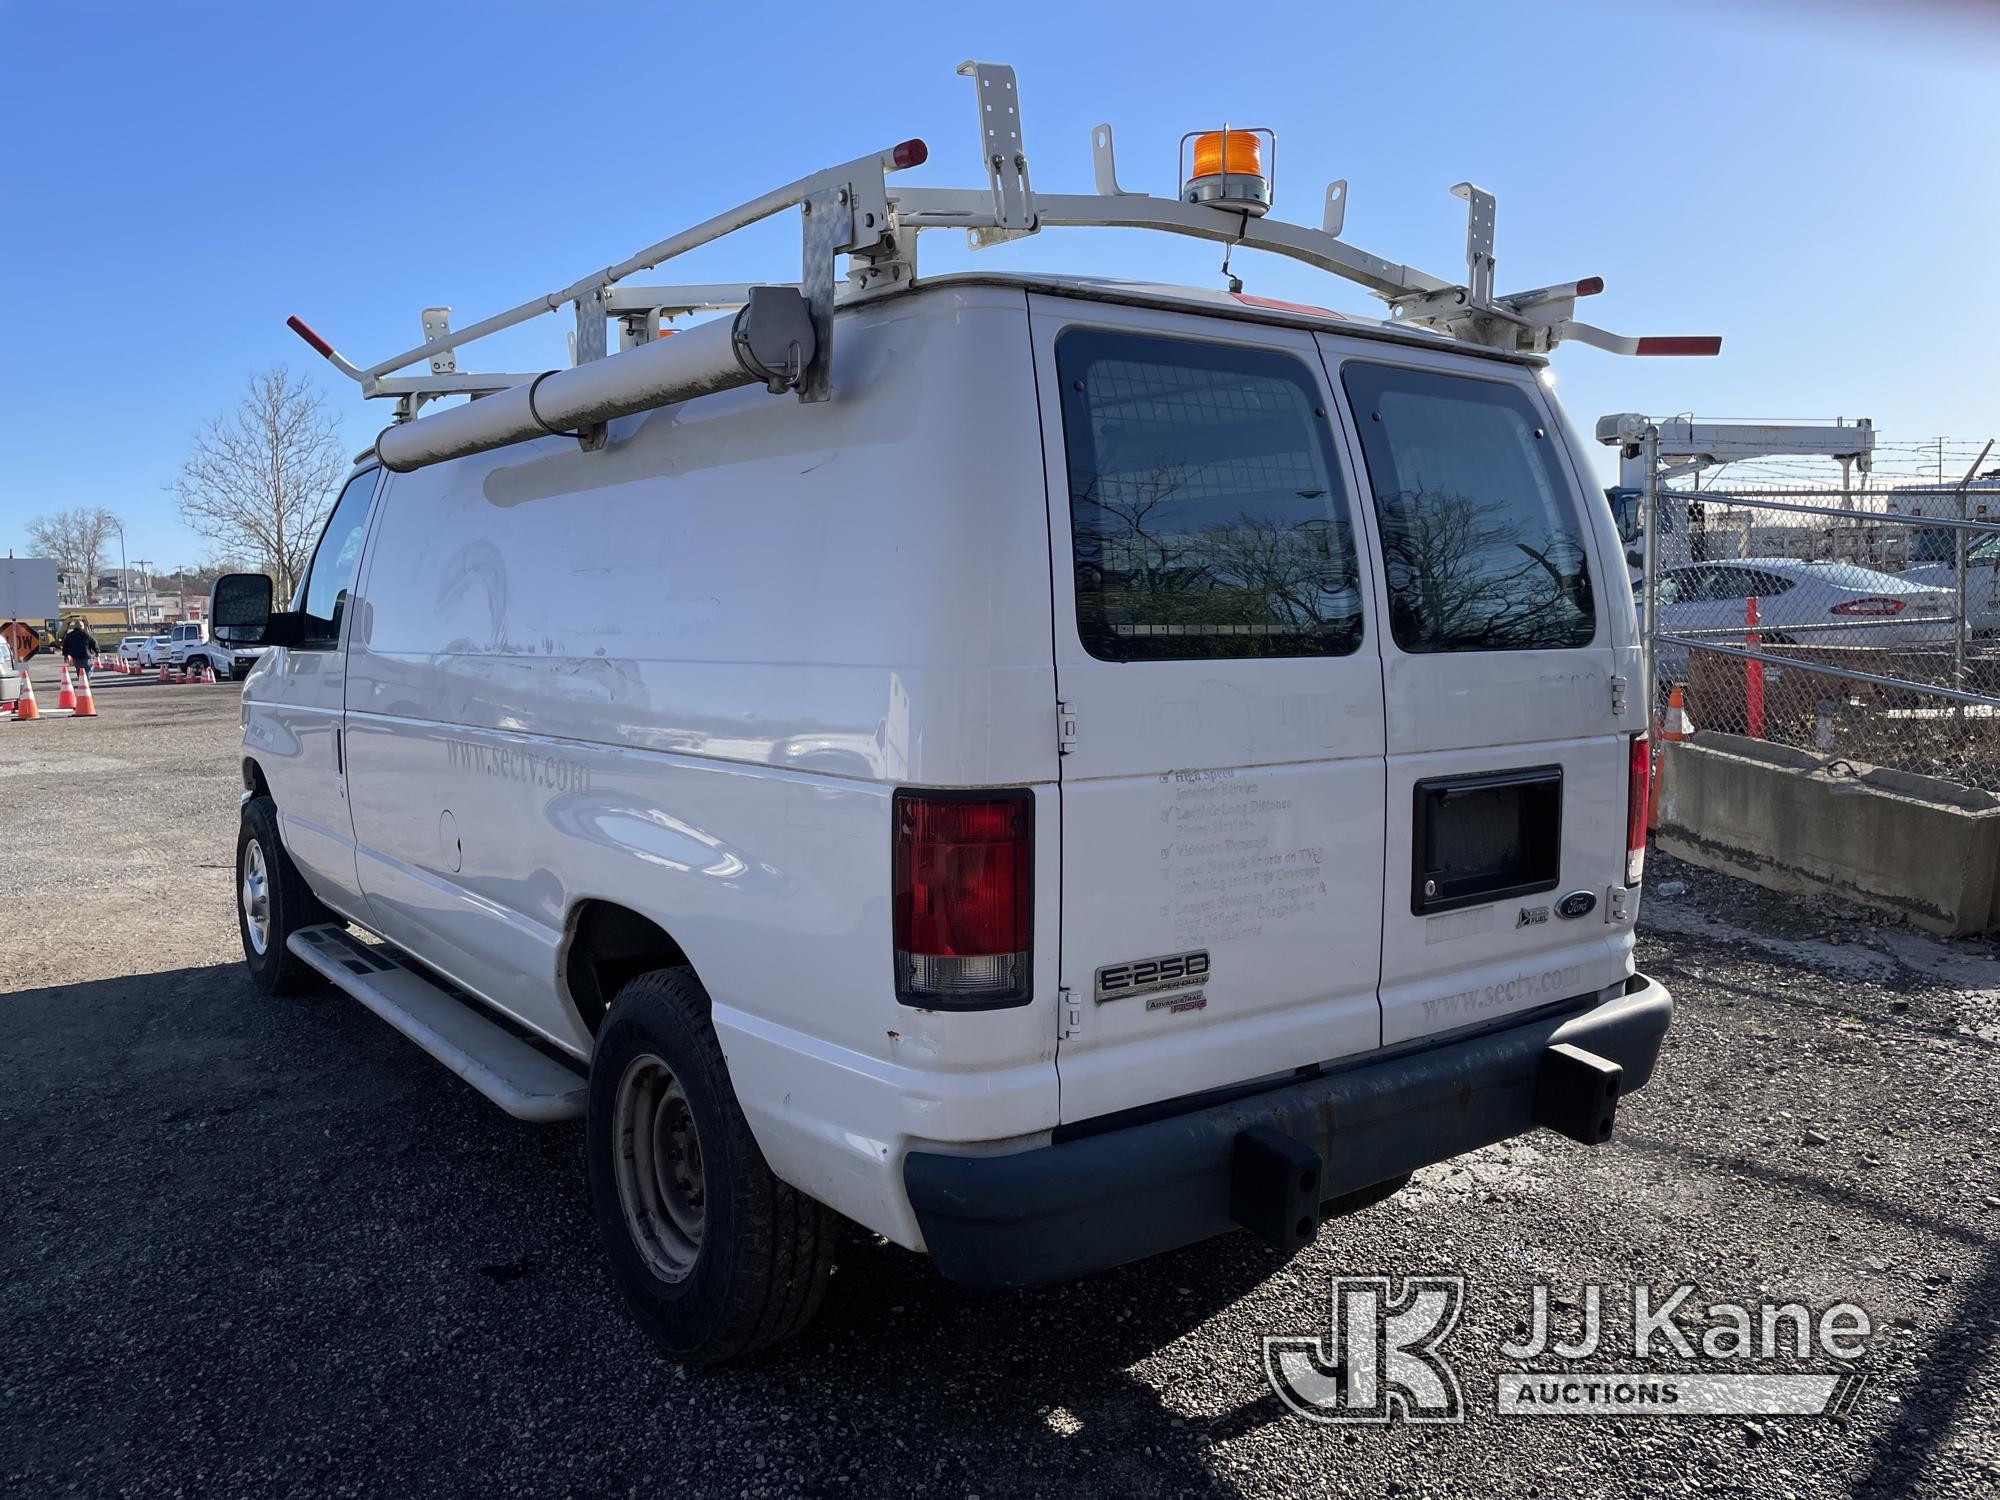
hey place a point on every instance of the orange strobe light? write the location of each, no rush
(1229, 169)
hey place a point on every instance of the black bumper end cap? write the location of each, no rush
(1576, 1093)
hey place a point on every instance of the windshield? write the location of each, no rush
(1624, 505)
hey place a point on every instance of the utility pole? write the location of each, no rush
(124, 578)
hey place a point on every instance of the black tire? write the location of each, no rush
(765, 1250)
(274, 968)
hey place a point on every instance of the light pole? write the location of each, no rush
(124, 576)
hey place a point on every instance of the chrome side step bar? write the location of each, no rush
(528, 1084)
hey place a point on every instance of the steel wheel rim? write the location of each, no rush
(656, 1155)
(255, 896)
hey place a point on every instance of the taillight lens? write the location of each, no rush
(964, 898)
(1637, 791)
(1874, 606)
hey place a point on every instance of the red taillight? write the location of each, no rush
(964, 898)
(1875, 606)
(1637, 791)
(911, 153)
(1590, 286)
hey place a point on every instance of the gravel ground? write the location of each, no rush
(251, 1246)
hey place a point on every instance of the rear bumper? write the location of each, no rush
(1083, 1205)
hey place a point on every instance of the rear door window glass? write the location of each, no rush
(1207, 513)
(1481, 540)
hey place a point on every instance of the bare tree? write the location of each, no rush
(261, 479)
(75, 539)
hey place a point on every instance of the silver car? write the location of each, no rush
(1798, 603)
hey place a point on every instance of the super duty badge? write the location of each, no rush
(1148, 976)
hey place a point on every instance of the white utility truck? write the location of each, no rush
(190, 648)
(1104, 765)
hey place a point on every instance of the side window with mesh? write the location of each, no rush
(1206, 508)
(1481, 541)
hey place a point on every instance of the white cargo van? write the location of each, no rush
(1134, 762)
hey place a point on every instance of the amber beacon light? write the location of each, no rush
(1229, 168)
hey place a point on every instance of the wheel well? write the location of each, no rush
(253, 779)
(605, 946)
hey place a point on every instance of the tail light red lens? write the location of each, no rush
(1637, 792)
(964, 898)
(1874, 606)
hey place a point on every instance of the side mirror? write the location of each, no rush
(240, 613)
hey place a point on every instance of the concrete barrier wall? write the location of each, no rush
(1916, 845)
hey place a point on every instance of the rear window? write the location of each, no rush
(1480, 536)
(1847, 576)
(1206, 508)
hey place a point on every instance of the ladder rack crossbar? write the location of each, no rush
(744, 214)
(963, 208)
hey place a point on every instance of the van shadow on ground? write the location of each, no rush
(251, 1236)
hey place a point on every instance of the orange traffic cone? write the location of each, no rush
(208, 673)
(86, 706)
(1677, 726)
(163, 671)
(66, 694)
(25, 709)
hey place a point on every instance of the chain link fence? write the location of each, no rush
(1861, 627)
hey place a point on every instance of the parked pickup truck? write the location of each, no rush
(189, 646)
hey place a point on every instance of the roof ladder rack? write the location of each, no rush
(781, 334)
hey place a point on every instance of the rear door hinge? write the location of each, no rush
(1065, 728)
(1617, 695)
(1070, 1009)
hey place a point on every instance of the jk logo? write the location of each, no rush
(1380, 1358)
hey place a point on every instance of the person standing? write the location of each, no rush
(79, 645)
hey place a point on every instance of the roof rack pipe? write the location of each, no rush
(770, 342)
(908, 154)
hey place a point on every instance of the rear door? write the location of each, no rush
(1508, 751)
(1222, 798)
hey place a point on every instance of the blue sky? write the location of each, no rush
(1816, 183)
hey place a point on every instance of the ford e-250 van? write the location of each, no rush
(1132, 763)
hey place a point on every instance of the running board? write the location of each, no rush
(528, 1084)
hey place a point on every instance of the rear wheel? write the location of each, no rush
(272, 902)
(716, 1257)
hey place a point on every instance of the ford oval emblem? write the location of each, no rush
(1577, 904)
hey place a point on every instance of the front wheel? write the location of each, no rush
(273, 901)
(716, 1257)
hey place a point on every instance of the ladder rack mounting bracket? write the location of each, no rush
(829, 229)
(998, 101)
(437, 323)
